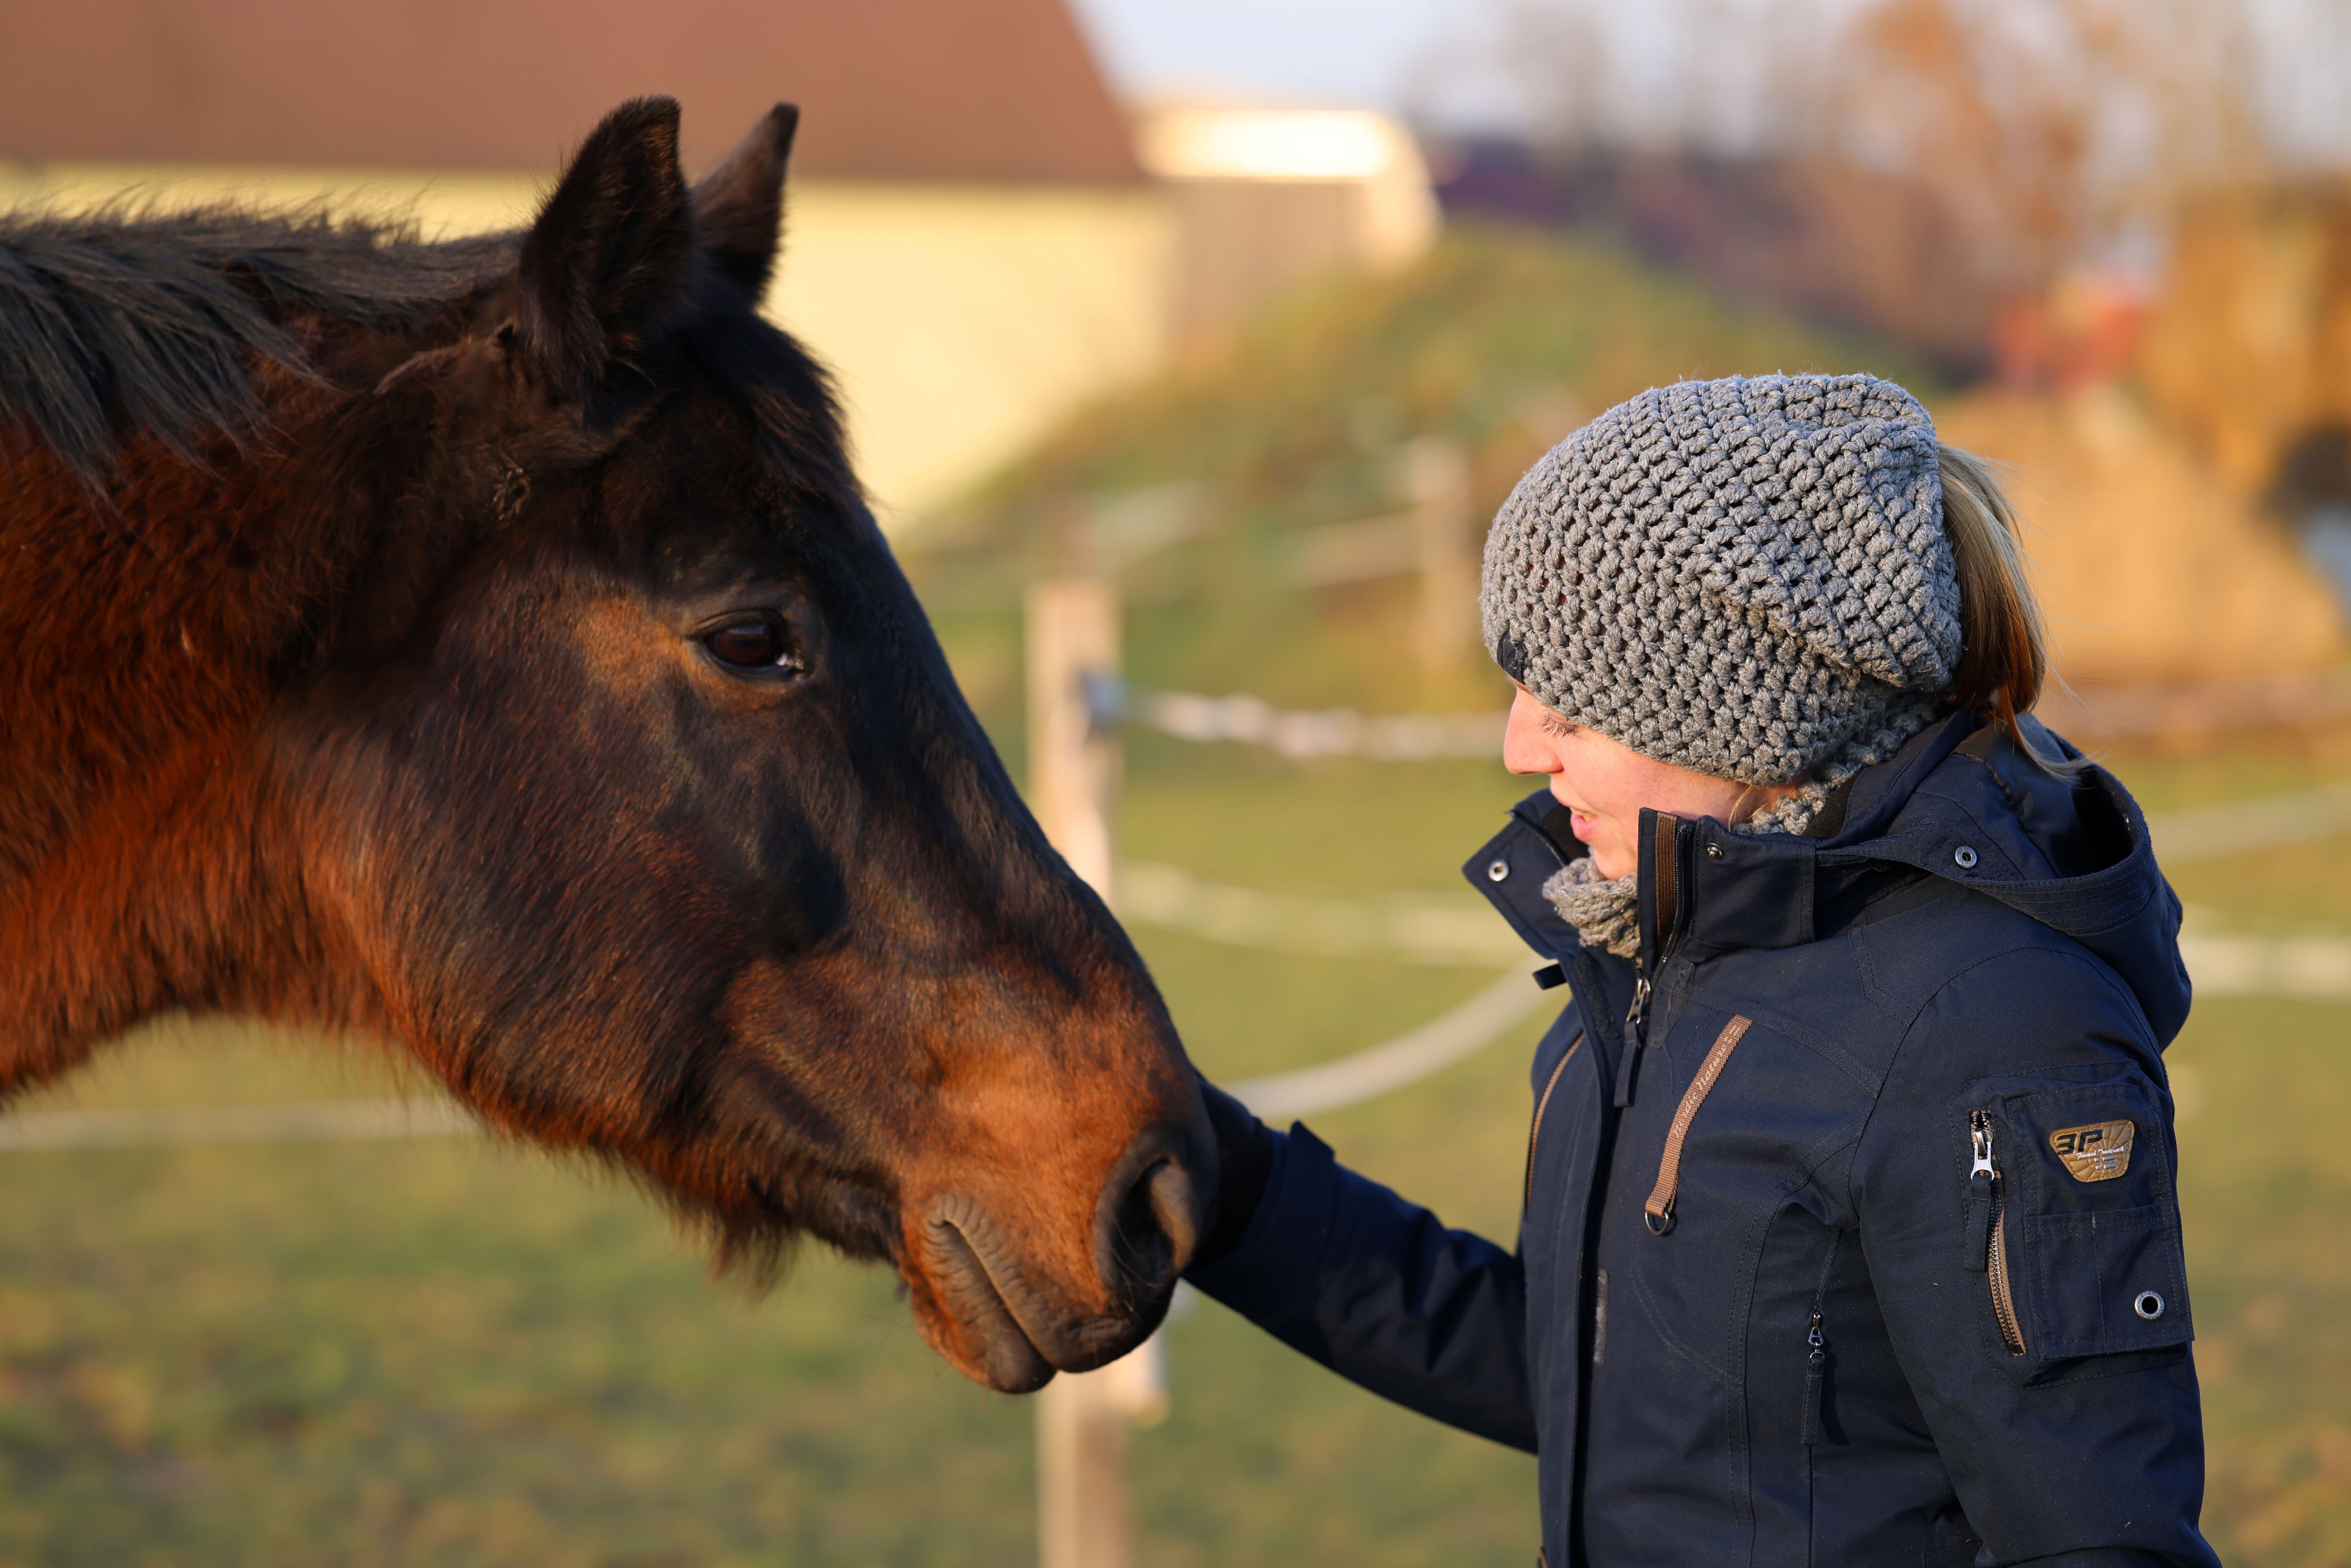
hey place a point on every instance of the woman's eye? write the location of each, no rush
(753, 642)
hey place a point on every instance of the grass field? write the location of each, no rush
(451, 1352)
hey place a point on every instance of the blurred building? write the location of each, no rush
(973, 243)
(1266, 197)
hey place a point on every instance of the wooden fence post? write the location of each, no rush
(1437, 474)
(1084, 1519)
(1074, 768)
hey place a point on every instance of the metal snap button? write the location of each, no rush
(1966, 855)
(1497, 870)
(1713, 851)
(2148, 1305)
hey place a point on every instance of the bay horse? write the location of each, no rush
(485, 645)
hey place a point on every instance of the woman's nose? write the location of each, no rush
(1526, 745)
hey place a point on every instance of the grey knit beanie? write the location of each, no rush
(1740, 576)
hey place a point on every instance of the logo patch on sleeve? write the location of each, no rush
(2099, 1152)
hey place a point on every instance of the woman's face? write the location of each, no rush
(1606, 785)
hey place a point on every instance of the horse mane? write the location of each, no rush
(142, 323)
(120, 323)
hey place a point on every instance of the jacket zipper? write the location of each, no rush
(1638, 1013)
(1665, 901)
(1534, 1132)
(1666, 906)
(1988, 1230)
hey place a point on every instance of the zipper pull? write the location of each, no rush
(1815, 1379)
(1628, 1064)
(1983, 1180)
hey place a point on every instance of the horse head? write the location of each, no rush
(586, 739)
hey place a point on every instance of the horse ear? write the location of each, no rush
(612, 252)
(739, 207)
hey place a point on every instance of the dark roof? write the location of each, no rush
(923, 90)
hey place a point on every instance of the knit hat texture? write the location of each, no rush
(1737, 576)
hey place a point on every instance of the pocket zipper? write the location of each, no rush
(1988, 1230)
(1816, 1365)
(1534, 1132)
(1815, 1375)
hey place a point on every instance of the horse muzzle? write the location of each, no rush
(1011, 1324)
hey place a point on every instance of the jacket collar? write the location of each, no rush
(1511, 868)
(1957, 802)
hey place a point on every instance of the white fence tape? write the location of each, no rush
(2316, 968)
(1407, 1058)
(2209, 833)
(2204, 832)
(1414, 928)
(1322, 732)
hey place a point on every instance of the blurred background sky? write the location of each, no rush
(1453, 62)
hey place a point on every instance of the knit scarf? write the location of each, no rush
(1605, 911)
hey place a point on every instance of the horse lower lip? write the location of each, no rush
(991, 1296)
(1009, 1359)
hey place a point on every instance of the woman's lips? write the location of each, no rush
(1579, 822)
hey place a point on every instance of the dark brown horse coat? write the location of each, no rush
(485, 645)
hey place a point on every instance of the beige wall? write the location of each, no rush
(962, 322)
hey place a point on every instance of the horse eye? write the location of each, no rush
(753, 642)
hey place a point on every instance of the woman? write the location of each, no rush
(1850, 1233)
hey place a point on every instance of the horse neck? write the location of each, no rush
(140, 638)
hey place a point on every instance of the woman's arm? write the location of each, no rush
(2014, 1189)
(1374, 1288)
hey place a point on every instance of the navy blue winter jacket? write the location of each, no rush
(1851, 1234)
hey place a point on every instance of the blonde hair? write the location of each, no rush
(2003, 655)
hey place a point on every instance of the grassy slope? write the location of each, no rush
(453, 1352)
(1499, 340)
(1457, 345)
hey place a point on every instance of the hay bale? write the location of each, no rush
(2151, 567)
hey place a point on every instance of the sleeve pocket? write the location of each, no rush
(2084, 1171)
(2104, 1281)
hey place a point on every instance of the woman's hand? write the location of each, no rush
(1245, 1148)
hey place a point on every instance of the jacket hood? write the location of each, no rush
(2072, 852)
(1959, 803)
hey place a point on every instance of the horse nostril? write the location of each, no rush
(1151, 1221)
